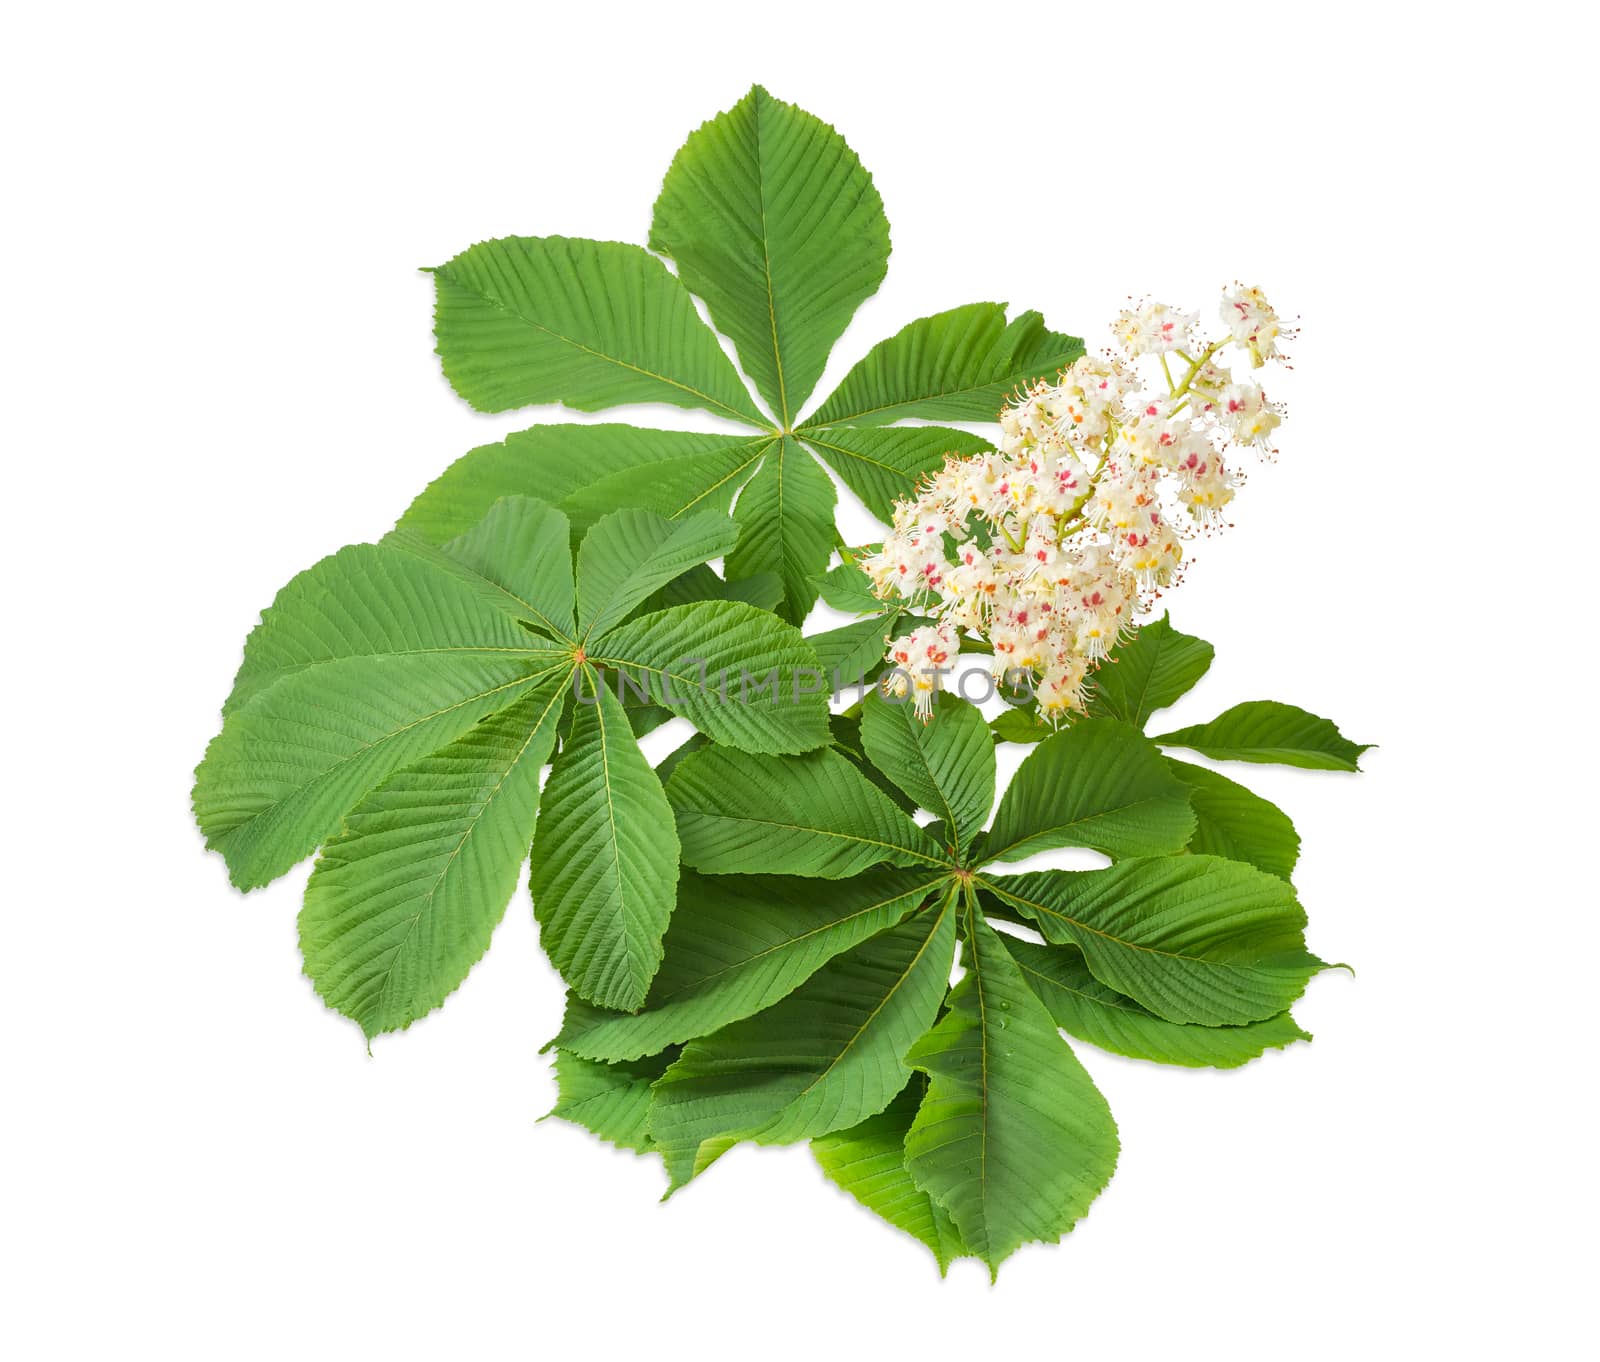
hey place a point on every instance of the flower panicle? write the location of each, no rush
(1053, 544)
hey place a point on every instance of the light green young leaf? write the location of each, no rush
(884, 464)
(1097, 784)
(947, 764)
(609, 1100)
(605, 858)
(826, 1057)
(785, 516)
(557, 462)
(1152, 670)
(736, 945)
(586, 323)
(1237, 823)
(773, 221)
(959, 365)
(812, 815)
(1196, 939)
(631, 553)
(869, 1162)
(849, 589)
(1267, 731)
(403, 901)
(1013, 1138)
(1086, 1008)
(705, 661)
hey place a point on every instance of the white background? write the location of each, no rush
(218, 369)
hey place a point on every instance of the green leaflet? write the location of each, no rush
(785, 516)
(1193, 938)
(1013, 1138)
(826, 1057)
(1234, 822)
(403, 901)
(884, 464)
(946, 765)
(609, 1100)
(1086, 1008)
(849, 589)
(631, 553)
(586, 323)
(810, 815)
(1152, 670)
(521, 546)
(959, 365)
(1265, 730)
(855, 653)
(869, 1162)
(605, 862)
(559, 463)
(1096, 784)
(774, 222)
(736, 945)
(682, 484)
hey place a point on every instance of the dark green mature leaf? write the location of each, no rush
(884, 464)
(947, 764)
(869, 1162)
(1150, 671)
(1084, 1006)
(1196, 939)
(736, 945)
(959, 365)
(702, 660)
(1013, 1137)
(278, 778)
(586, 323)
(1267, 731)
(609, 1100)
(1235, 822)
(812, 815)
(631, 553)
(605, 860)
(774, 222)
(403, 901)
(826, 1057)
(1096, 784)
(556, 462)
(785, 516)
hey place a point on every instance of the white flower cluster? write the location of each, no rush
(1050, 546)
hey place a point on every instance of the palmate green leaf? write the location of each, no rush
(1013, 1138)
(631, 553)
(403, 901)
(812, 815)
(827, 1056)
(959, 365)
(1152, 670)
(1097, 784)
(605, 859)
(946, 765)
(609, 1100)
(1267, 731)
(558, 462)
(1237, 823)
(775, 224)
(736, 945)
(285, 768)
(785, 516)
(1087, 1009)
(739, 674)
(1196, 939)
(586, 323)
(884, 464)
(869, 1162)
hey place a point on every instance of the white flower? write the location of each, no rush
(1154, 329)
(1253, 322)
